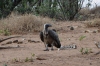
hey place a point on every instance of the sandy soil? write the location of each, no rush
(30, 53)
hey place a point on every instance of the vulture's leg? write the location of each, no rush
(46, 46)
(52, 46)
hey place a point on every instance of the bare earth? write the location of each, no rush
(21, 55)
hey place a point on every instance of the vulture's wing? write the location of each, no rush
(41, 36)
(55, 37)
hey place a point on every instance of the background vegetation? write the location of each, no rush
(59, 9)
(22, 24)
(21, 16)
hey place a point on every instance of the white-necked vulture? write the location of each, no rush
(50, 37)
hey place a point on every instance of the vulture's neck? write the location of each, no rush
(45, 30)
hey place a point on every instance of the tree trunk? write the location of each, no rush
(73, 8)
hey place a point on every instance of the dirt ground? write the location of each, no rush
(29, 51)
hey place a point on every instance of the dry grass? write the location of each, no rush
(95, 10)
(84, 11)
(19, 24)
(88, 14)
(93, 23)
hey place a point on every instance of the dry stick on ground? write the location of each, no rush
(7, 39)
(9, 47)
(97, 53)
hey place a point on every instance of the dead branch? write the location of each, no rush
(8, 38)
(9, 47)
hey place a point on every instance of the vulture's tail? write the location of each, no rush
(57, 44)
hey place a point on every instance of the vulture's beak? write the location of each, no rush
(50, 25)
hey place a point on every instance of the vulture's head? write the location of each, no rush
(46, 28)
(47, 25)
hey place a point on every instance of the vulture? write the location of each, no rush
(50, 37)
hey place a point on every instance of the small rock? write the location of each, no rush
(97, 44)
(87, 31)
(68, 26)
(15, 41)
(90, 63)
(18, 46)
(19, 42)
(23, 39)
(33, 41)
(71, 28)
(98, 30)
(95, 31)
(68, 39)
(9, 42)
(38, 58)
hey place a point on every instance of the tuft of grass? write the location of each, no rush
(81, 38)
(5, 65)
(15, 60)
(1, 31)
(86, 50)
(29, 59)
(32, 54)
(6, 32)
(81, 50)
